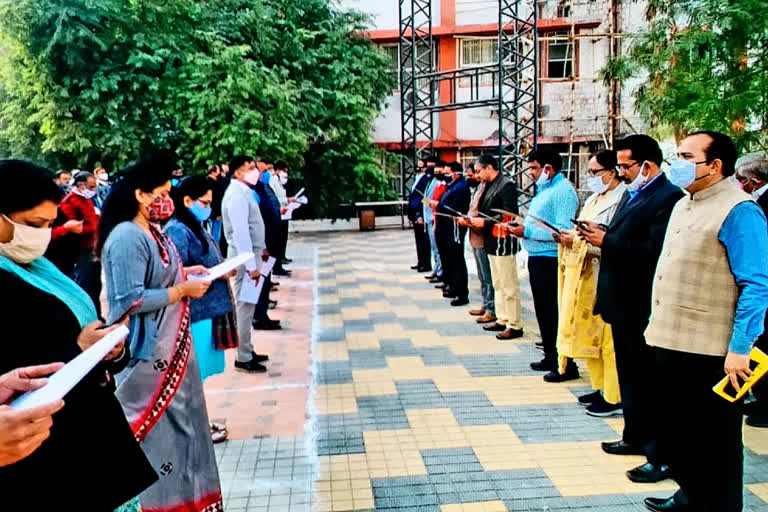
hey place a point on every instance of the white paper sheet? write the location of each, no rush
(288, 215)
(250, 291)
(223, 268)
(62, 382)
(298, 194)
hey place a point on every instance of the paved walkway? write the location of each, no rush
(414, 408)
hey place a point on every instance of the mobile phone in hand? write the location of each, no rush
(136, 305)
(581, 225)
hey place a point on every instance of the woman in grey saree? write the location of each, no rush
(161, 391)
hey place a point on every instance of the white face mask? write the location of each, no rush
(639, 180)
(543, 179)
(596, 185)
(28, 244)
(252, 177)
(283, 178)
(104, 177)
(85, 193)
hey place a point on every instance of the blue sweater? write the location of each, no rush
(555, 202)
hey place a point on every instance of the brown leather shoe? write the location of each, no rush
(510, 334)
(477, 312)
(486, 318)
(497, 327)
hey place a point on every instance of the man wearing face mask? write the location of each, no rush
(709, 301)
(556, 203)
(429, 219)
(244, 232)
(416, 216)
(78, 206)
(487, 313)
(278, 181)
(631, 245)
(103, 187)
(752, 174)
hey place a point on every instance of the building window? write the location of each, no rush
(564, 9)
(468, 156)
(559, 54)
(479, 52)
(392, 52)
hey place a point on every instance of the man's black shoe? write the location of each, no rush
(275, 283)
(495, 327)
(441, 286)
(414, 267)
(570, 374)
(250, 367)
(459, 302)
(621, 448)
(758, 420)
(424, 269)
(281, 272)
(436, 280)
(272, 304)
(259, 358)
(430, 276)
(664, 505)
(267, 325)
(286, 261)
(543, 366)
(447, 294)
(587, 399)
(649, 473)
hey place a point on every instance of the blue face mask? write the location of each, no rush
(683, 173)
(200, 212)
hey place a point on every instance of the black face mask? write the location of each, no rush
(472, 183)
(430, 171)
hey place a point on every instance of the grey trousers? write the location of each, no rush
(486, 281)
(430, 227)
(244, 319)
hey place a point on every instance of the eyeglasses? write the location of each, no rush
(626, 167)
(743, 179)
(205, 204)
(595, 172)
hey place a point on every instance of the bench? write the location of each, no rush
(367, 215)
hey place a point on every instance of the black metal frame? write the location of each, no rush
(514, 80)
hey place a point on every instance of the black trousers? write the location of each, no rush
(87, 274)
(710, 473)
(285, 226)
(423, 251)
(454, 264)
(760, 390)
(260, 312)
(542, 272)
(635, 364)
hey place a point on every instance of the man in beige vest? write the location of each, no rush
(709, 301)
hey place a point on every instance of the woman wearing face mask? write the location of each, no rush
(49, 319)
(161, 390)
(582, 334)
(213, 322)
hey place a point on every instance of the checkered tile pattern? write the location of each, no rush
(420, 410)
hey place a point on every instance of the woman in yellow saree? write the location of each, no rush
(582, 334)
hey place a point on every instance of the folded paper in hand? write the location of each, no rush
(62, 382)
(250, 290)
(223, 268)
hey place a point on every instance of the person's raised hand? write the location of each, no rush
(74, 226)
(94, 332)
(25, 379)
(737, 367)
(22, 432)
(194, 289)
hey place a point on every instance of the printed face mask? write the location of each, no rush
(161, 208)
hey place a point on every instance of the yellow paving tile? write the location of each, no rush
(617, 424)
(479, 345)
(389, 331)
(759, 490)
(425, 338)
(481, 506)
(756, 439)
(378, 306)
(330, 298)
(354, 313)
(406, 311)
(362, 341)
(413, 368)
(334, 351)
(349, 293)
(393, 453)
(583, 469)
(336, 399)
(373, 382)
(371, 288)
(430, 418)
(524, 390)
(330, 320)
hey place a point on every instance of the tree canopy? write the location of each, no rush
(706, 67)
(83, 81)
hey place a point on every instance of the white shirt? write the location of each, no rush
(757, 194)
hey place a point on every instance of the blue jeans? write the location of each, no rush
(486, 281)
(433, 245)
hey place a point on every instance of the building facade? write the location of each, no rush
(578, 112)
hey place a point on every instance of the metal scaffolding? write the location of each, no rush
(513, 77)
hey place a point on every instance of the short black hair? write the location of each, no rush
(25, 185)
(720, 148)
(440, 163)
(487, 159)
(643, 148)
(546, 156)
(456, 167)
(431, 159)
(607, 158)
(63, 171)
(238, 161)
(82, 177)
(281, 165)
(265, 160)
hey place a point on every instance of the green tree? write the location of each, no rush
(85, 81)
(706, 63)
